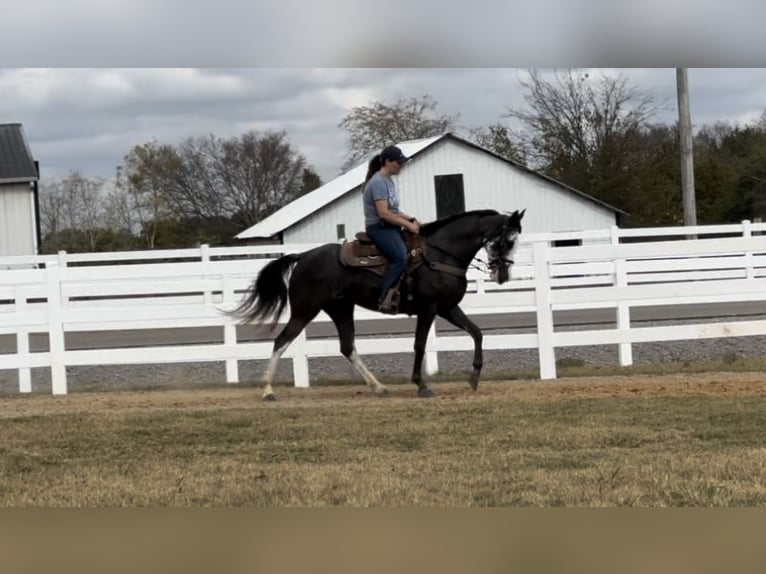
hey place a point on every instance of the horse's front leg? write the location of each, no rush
(458, 318)
(425, 320)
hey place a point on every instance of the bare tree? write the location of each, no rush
(196, 188)
(382, 123)
(73, 204)
(498, 139)
(118, 214)
(583, 130)
(52, 207)
(217, 185)
(147, 171)
(261, 173)
(249, 176)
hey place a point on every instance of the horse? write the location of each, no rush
(334, 278)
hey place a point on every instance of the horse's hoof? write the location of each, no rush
(425, 393)
(381, 392)
(474, 382)
(270, 398)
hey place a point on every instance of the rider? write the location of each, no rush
(384, 220)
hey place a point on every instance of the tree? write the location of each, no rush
(201, 189)
(585, 132)
(73, 211)
(259, 173)
(147, 173)
(218, 186)
(715, 175)
(743, 151)
(52, 208)
(497, 138)
(383, 123)
(652, 190)
(311, 180)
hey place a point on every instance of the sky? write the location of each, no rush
(87, 119)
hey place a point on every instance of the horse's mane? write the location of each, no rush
(434, 226)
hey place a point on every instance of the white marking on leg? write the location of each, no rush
(271, 370)
(356, 360)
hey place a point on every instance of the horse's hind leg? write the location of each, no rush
(295, 325)
(342, 314)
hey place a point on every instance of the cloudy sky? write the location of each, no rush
(88, 118)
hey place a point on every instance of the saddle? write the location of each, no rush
(361, 252)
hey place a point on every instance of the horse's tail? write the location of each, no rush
(268, 293)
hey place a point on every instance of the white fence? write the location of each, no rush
(69, 293)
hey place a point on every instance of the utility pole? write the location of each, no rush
(687, 159)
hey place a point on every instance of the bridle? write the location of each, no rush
(495, 262)
(491, 263)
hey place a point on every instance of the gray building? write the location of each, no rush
(19, 207)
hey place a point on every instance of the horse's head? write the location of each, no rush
(501, 241)
(462, 235)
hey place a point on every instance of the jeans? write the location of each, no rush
(389, 241)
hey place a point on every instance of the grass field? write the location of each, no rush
(690, 439)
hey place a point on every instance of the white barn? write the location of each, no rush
(19, 208)
(447, 174)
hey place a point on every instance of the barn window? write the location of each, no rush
(450, 196)
(340, 230)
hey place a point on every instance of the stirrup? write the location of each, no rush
(390, 303)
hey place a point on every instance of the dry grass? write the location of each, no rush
(680, 440)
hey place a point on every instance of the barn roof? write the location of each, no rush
(313, 201)
(16, 162)
(304, 206)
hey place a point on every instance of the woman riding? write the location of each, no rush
(384, 221)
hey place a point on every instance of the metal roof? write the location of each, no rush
(16, 162)
(315, 200)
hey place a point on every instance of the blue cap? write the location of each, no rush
(393, 153)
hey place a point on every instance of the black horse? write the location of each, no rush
(321, 282)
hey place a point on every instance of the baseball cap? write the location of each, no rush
(393, 153)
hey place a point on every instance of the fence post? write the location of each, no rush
(204, 251)
(545, 349)
(747, 231)
(614, 235)
(624, 350)
(56, 330)
(432, 356)
(300, 361)
(229, 331)
(22, 343)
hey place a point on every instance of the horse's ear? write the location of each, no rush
(517, 215)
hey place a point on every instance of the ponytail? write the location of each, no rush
(374, 166)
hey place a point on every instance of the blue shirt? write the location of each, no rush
(379, 187)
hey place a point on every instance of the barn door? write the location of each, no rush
(450, 196)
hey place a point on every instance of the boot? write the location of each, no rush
(390, 303)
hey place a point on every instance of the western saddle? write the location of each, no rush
(362, 253)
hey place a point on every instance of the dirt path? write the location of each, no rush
(234, 397)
